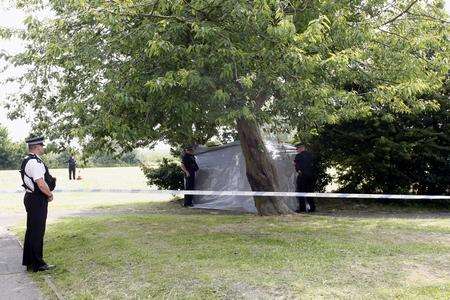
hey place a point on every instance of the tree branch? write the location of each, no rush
(429, 17)
(167, 17)
(153, 14)
(400, 14)
(396, 34)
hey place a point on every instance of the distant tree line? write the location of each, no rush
(12, 153)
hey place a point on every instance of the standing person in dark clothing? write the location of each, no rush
(38, 185)
(72, 164)
(304, 165)
(189, 167)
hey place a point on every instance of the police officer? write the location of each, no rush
(36, 180)
(189, 167)
(304, 165)
(72, 164)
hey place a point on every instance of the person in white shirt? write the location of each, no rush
(37, 195)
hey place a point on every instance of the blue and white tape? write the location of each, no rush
(244, 193)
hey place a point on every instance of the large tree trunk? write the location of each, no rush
(261, 173)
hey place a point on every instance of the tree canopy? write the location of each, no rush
(131, 72)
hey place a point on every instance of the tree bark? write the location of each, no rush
(260, 170)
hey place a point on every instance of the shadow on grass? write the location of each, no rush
(360, 208)
(374, 208)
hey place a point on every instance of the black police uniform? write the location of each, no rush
(36, 204)
(304, 165)
(190, 164)
(72, 167)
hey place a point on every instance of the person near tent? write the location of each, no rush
(304, 166)
(189, 167)
(72, 164)
(38, 185)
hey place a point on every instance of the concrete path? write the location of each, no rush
(15, 283)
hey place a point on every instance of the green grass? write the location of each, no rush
(163, 251)
(120, 177)
(105, 178)
(142, 246)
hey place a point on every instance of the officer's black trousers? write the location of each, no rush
(189, 184)
(305, 184)
(36, 207)
(72, 172)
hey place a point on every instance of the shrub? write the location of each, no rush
(373, 155)
(167, 175)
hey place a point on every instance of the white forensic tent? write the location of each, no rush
(222, 168)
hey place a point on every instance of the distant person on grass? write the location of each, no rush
(189, 167)
(304, 166)
(38, 185)
(72, 164)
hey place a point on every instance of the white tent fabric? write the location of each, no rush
(223, 169)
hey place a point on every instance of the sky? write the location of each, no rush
(19, 129)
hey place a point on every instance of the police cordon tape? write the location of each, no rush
(244, 193)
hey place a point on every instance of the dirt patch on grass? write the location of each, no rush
(241, 290)
(421, 274)
(440, 238)
(381, 214)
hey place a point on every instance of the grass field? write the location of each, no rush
(131, 246)
(160, 250)
(104, 178)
